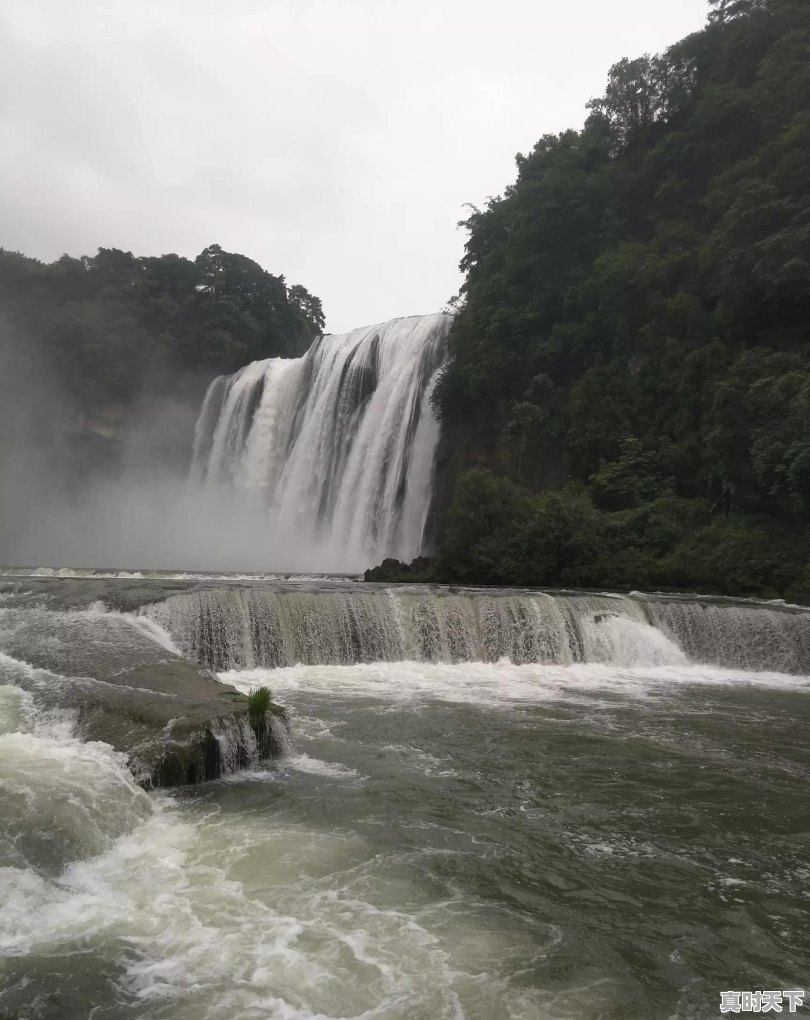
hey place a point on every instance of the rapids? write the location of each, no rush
(446, 841)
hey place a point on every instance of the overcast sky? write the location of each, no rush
(334, 141)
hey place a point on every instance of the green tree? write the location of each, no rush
(112, 326)
(652, 271)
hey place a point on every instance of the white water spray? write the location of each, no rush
(339, 445)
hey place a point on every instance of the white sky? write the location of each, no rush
(334, 141)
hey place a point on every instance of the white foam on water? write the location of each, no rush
(211, 919)
(301, 763)
(501, 683)
(420, 760)
(624, 642)
(16, 707)
(314, 766)
(61, 798)
(206, 914)
(309, 726)
(14, 671)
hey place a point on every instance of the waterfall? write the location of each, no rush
(248, 627)
(743, 635)
(339, 445)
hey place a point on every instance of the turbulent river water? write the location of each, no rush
(619, 838)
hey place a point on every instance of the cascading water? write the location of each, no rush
(745, 636)
(339, 444)
(246, 627)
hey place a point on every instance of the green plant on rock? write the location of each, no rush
(259, 702)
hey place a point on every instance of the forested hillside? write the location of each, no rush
(628, 397)
(109, 327)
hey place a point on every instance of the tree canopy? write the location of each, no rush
(108, 326)
(628, 394)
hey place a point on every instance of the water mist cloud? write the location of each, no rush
(71, 495)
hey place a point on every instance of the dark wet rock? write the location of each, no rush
(417, 571)
(174, 720)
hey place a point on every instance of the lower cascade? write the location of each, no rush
(339, 444)
(243, 628)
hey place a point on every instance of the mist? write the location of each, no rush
(73, 496)
(146, 521)
(322, 463)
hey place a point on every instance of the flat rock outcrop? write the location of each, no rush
(174, 720)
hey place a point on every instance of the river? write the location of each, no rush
(445, 840)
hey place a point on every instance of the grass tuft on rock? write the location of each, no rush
(259, 702)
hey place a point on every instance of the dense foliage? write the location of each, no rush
(628, 397)
(108, 327)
